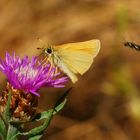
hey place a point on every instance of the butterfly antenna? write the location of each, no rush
(38, 39)
(41, 41)
(38, 48)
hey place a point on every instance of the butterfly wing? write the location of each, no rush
(76, 58)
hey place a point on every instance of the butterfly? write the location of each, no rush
(72, 58)
(132, 45)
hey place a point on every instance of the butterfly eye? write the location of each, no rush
(49, 50)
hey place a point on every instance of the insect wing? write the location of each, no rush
(78, 57)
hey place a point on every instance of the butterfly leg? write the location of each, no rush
(45, 61)
(51, 71)
(56, 68)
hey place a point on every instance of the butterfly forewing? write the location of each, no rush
(78, 57)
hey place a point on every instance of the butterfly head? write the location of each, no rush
(48, 50)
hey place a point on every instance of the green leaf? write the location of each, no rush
(47, 115)
(12, 132)
(42, 115)
(62, 98)
(7, 109)
(57, 107)
(40, 129)
(2, 129)
(35, 137)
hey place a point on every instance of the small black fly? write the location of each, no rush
(132, 45)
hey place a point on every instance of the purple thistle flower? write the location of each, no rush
(29, 75)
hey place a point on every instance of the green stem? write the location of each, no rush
(1, 136)
(7, 110)
(2, 117)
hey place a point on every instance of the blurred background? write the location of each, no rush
(105, 103)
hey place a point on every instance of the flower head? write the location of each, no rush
(28, 75)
